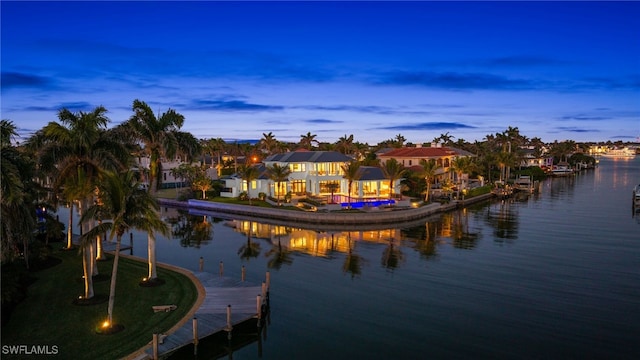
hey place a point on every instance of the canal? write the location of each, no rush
(552, 275)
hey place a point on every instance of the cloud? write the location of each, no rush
(71, 106)
(322, 121)
(454, 80)
(231, 105)
(631, 82)
(576, 130)
(581, 117)
(365, 109)
(428, 126)
(16, 79)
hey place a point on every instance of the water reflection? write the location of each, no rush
(502, 217)
(192, 231)
(284, 240)
(250, 249)
(352, 262)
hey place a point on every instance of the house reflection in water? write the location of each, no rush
(316, 243)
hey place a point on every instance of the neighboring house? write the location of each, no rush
(312, 172)
(529, 159)
(410, 157)
(168, 180)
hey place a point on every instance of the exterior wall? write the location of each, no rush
(311, 175)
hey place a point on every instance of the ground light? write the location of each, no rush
(108, 328)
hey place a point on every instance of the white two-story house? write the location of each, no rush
(312, 174)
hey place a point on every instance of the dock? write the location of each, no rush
(227, 302)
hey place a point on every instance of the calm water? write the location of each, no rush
(552, 276)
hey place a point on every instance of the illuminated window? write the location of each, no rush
(298, 167)
(327, 187)
(299, 187)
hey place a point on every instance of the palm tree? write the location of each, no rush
(462, 165)
(429, 170)
(307, 140)
(128, 206)
(215, 147)
(81, 148)
(345, 144)
(352, 173)
(268, 142)
(18, 218)
(505, 160)
(278, 174)
(393, 170)
(332, 186)
(161, 138)
(249, 173)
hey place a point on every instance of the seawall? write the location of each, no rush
(381, 216)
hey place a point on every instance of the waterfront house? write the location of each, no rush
(410, 157)
(312, 175)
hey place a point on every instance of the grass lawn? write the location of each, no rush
(48, 316)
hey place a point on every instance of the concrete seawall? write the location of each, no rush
(382, 216)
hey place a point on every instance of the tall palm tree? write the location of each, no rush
(345, 144)
(505, 160)
(249, 173)
(17, 201)
(278, 174)
(393, 170)
(429, 171)
(351, 172)
(462, 165)
(215, 148)
(81, 148)
(128, 207)
(160, 136)
(307, 140)
(268, 142)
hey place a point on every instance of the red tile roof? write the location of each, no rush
(422, 152)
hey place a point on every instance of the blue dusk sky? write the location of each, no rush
(236, 70)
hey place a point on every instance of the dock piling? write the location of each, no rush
(195, 336)
(244, 272)
(201, 264)
(155, 347)
(221, 268)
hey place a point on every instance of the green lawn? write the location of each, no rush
(48, 316)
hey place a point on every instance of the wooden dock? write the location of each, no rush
(243, 299)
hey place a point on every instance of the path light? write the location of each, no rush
(105, 324)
